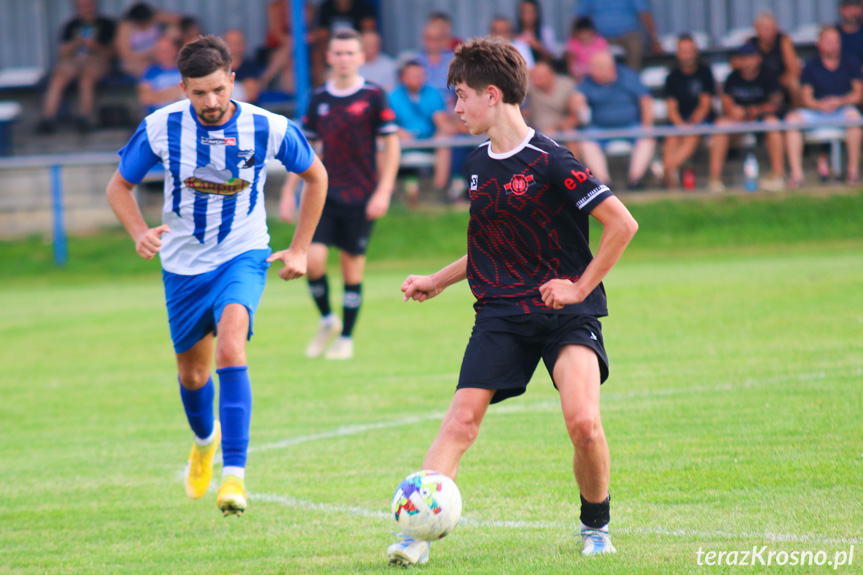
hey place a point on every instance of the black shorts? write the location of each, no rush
(503, 352)
(345, 227)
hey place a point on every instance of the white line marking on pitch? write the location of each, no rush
(521, 525)
(547, 405)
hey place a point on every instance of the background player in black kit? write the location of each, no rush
(346, 116)
(538, 288)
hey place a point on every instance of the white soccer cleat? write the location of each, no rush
(328, 330)
(596, 541)
(408, 552)
(342, 348)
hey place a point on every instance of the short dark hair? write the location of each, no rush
(407, 64)
(204, 56)
(583, 23)
(439, 15)
(140, 12)
(489, 61)
(347, 34)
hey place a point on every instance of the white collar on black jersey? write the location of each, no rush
(524, 144)
(331, 88)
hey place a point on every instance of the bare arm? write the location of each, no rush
(650, 27)
(379, 203)
(295, 257)
(646, 105)
(570, 121)
(421, 288)
(122, 200)
(150, 97)
(288, 198)
(702, 110)
(789, 58)
(674, 112)
(618, 228)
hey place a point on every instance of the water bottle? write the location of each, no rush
(688, 179)
(750, 173)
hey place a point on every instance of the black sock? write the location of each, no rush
(320, 290)
(595, 515)
(352, 300)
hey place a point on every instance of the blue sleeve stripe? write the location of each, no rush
(201, 200)
(229, 205)
(295, 152)
(137, 156)
(262, 142)
(175, 130)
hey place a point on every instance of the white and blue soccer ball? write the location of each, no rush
(426, 506)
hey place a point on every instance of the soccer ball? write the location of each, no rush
(426, 506)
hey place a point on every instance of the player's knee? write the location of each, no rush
(583, 428)
(193, 377)
(230, 352)
(462, 426)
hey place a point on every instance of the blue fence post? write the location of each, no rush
(61, 255)
(301, 56)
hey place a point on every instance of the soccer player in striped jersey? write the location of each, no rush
(537, 286)
(213, 244)
(346, 116)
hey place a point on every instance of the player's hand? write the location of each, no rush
(288, 208)
(378, 206)
(295, 263)
(149, 243)
(557, 293)
(419, 288)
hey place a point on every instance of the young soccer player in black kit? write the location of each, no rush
(538, 288)
(346, 116)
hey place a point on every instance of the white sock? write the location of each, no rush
(603, 528)
(235, 471)
(208, 440)
(328, 319)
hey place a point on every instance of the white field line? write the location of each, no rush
(549, 525)
(540, 406)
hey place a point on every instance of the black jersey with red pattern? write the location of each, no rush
(347, 122)
(529, 224)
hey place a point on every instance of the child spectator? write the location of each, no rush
(583, 43)
(137, 34)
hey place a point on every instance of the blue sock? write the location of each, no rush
(235, 412)
(199, 408)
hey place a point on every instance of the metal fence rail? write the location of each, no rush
(56, 162)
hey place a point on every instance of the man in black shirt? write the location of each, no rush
(537, 286)
(86, 49)
(689, 90)
(751, 94)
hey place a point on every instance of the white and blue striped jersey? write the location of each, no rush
(214, 179)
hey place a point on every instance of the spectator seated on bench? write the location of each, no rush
(689, 92)
(421, 113)
(617, 100)
(86, 50)
(832, 88)
(751, 94)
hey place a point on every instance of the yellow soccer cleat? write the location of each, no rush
(199, 472)
(232, 496)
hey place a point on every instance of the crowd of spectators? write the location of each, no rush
(576, 83)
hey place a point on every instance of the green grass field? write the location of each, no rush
(733, 411)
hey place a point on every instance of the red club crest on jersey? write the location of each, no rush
(519, 184)
(388, 115)
(357, 108)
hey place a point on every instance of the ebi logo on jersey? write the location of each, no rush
(519, 184)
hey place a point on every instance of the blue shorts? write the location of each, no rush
(195, 303)
(811, 116)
